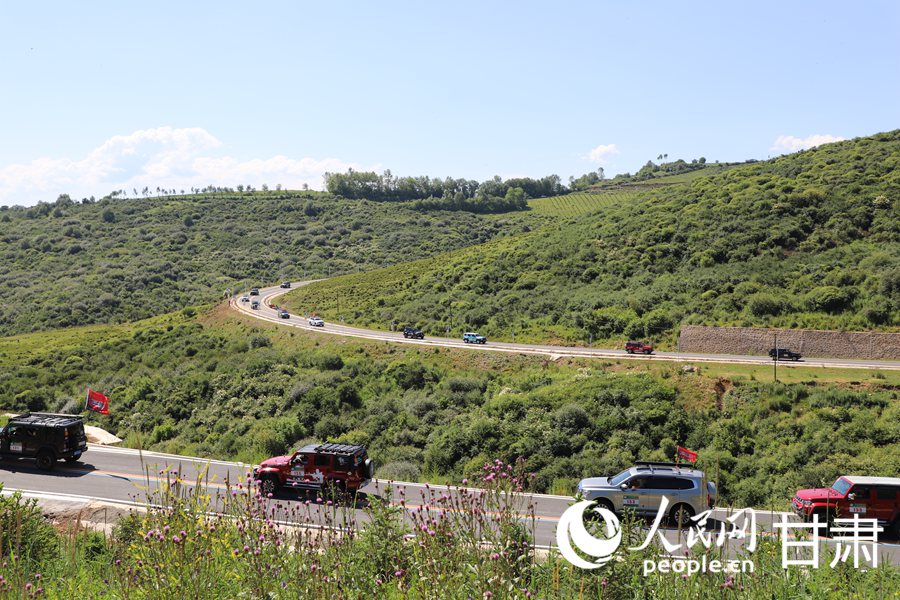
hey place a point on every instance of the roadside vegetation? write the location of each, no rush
(473, 545)
(809, 240)
(218, 385)
(70, 263)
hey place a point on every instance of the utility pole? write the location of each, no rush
(775, 360)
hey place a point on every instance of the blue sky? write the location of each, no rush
(179, 94)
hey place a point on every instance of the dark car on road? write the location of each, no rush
(414, 333)
(254, 292)
(286, 284)
(783, 354)
(283, 314)
(45, 437)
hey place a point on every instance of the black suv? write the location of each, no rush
(412, 332)
(783, 354)
(46, 437)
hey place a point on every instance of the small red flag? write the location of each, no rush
(688, 455)
(97, 402)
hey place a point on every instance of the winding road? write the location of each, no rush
(120, 478)
(267, 312)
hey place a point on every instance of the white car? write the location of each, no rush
(316, 322)
(245, 298)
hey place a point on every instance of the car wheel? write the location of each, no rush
(681, 515)
(826, 517)
(593, 516)
(268, 486)
(895, 528)
(648, 351)
(45, 460)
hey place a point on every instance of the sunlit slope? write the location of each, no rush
(805, 240)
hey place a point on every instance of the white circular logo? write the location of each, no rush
(571, 523)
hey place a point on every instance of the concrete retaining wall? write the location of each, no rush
(811, 343)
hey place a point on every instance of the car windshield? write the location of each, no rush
(841, 486)
(620, 477)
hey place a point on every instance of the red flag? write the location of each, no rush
(688, 455)
(97, 402)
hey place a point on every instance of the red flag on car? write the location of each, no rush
(688, 455)
(97, 402)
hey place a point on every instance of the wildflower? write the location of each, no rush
(495, 556)
(378, 582)
(604, 582)
(488, 594)
(399, 573)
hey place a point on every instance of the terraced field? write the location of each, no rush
(579, 203)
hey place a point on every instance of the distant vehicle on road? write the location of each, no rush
(474, 338)
(283, 314)
(642, 347)
(254, 292)
(245, 298)
(414, 333)
(641, 488)
(286, 284)
(46, 437)
(869, 497)
(255, 304)
(783, 354)
(316, 322)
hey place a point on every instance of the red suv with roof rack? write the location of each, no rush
(317, 468)
(869, 497)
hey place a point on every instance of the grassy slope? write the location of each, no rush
(64, 264)
(806, 240)
(222, 386)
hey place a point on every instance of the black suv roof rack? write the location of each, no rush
(52, 419)
(347, 449)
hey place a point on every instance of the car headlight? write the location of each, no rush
(807, 503)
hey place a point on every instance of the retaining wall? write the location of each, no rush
(808, 342)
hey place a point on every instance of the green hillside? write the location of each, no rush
(806, 240)
(118, 260)
(223, 386)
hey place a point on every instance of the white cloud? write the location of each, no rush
(788, 143)
(600, 153)
(163, 157)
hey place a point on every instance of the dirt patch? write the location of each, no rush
(96, 435)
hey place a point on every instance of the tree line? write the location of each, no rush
(492, 195)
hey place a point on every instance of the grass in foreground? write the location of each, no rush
(461, 543)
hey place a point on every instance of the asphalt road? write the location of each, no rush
(126, 476)
(269, 297)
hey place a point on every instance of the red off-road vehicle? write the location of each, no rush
(642, 347)
(869, 497)
(320, 468)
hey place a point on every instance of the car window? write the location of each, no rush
(657, 482)
(323, 460)
(343, 462)
(841, 486)
(618, 479)
(861, 492)
(886, 493)
(683, 484)
(638, 483)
